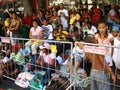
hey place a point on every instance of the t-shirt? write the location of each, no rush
(93, 30)
(116, 53)
(61, 36)
(18, 58)
(36, 32)
(64, 21)
(47, 31)
(48, 58)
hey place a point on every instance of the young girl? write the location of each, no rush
(103, 37)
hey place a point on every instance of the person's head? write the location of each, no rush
(115, 30)
(45, 47)
(45, 22)
(75, 31)
(15, 48)
(40, 13)
(90, 38)
(86, 20)
(89, 25)
(61, 5)
(35, 23)
(14, 15)
(60, 27)
(55, 13)
(102, 28)
(113, 6)
(26, 14)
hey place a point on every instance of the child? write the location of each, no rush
(115, 31)
(99, 70)
(17, 58)
(116, 57)
(105, 38)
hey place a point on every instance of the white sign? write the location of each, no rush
(5, 40)
(94, 49)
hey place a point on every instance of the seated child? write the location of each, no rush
(17, 58)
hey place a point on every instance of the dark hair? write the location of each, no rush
(103, 22)
(35, 21)
(75, 29)
(60, 25)
(90, 38)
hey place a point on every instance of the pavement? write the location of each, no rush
(7, 84)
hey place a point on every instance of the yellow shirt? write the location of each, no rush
(61, 36)
(74, 17)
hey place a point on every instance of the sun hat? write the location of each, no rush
(45, 45)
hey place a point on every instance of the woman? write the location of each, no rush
(54, 20)
(36, 32)
(46, 59)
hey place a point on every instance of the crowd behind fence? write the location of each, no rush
(69, 71)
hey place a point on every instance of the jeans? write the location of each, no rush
(99, 80)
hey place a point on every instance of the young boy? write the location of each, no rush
(115, 31)
(100, 69)
(18, 60)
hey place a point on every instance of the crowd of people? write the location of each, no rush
(100, 24)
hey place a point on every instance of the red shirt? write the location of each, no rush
(27, 21)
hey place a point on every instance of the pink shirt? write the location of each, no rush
(36, 32)
(106, 41)
(48, 58)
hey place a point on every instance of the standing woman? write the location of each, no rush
(55, 20)
(103, 37)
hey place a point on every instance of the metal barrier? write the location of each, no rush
(76, 80)
(30, 65)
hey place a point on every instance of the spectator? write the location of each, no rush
(63, 14)
(15, 27)
(115, 31)
(55, 20)
(36, 32)
(46, 59)
(74, 20)
(100, 69)
(48, 30)
(40, 17)
(103, 37)
(18, 60)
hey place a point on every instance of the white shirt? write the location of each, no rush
(116, 53)
(93, 30)
(47, 31)
(64, 21)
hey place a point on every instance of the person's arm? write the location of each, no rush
(112, 43)
(17, 26)
(107, 68)
(41, 34)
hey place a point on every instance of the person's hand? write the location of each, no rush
(113, 78)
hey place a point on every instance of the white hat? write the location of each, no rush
(45, 45)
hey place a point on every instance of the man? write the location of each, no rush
(63, 14)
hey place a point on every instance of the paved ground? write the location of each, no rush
(7, 84)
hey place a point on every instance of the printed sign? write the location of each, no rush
(5, 40)
(94, 49)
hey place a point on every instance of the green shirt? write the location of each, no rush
(18, 58)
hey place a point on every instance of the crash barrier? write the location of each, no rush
(20, 62)
(94, 75)
(72, 74)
